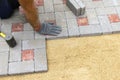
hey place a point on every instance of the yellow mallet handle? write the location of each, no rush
(3, 35)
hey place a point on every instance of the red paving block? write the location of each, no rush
(114, 18)
(16, 27)
(27, 55)
(39, 2)
(82, 21)
(64, 1)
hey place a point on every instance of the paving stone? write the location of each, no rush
(72, 27)
(3, 63)
(94, 22)
(14, 19)
(82, 21)
(86, 0)
(57, 1)
(4, 46)
(46, 17)
(63, 34)
(17, 27)
(95, 4)
(66, 7)
(59, 8)
(108, 3)
(105, 24)
(27, 27)
(89, 4)
(116, 2)
(73, 5)
(115, 27)
(21, 67)
(48, 6)
(6, 28)
(92, 17)
(25, 35)
(82, 7)
(40, 60)
(33, 44)
(39, 2)
(41, 9)
(70, 15)
(64, 1)
(90, 30)
(106, 11)
(1, 39)
(60, 19)
(39, 36)
(27, 55)
(15, 53)
(113, 18)
(118, 9)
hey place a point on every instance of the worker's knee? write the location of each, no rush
(7, 7)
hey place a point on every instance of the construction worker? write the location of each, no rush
(7, 8)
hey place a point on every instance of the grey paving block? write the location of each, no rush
(60, 19)
(33, 44)
(39, 36)
(89, 4)
(105, 11)
(4, 46)
(115, 27)
(57, 1)
(48, 6)
(105, 24)
(6, 28)
(59, 8)
(46, 17)
(73, 29)
(1, 39)
(108, 3)
(82, 7)
(15, 19)
(41, 9)
(60, 15)
(92, 17)
(40, 60)
(118, 9)
(4, 63)
(90, 30)
(66, 7)
(27, 27)
(111, 10)
(93, 4)
(69, 15)
(21, 67)
(75, 8)
(116, 2)
(63, 34)
(24, 35)
(15, 53)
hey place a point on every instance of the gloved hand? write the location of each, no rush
(50, 29)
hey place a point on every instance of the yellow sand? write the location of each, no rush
(86, 58)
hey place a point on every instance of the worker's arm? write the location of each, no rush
(32, 16)
(31, 13)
